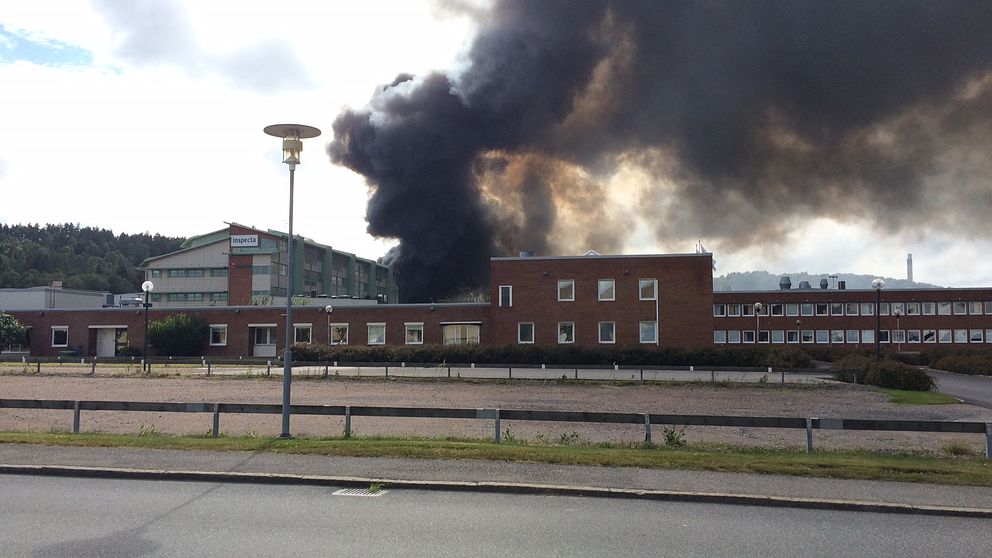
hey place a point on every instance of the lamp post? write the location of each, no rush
(878, 284)
(147, 287)
(799, 333)
(292, 144)
(757, 321)
(898, 313)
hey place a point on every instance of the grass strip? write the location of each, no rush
(904, 467)
(906, 397)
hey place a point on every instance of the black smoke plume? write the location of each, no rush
(740, 118)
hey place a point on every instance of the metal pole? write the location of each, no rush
(878, 324)
(287, 358)
(216, 427)
(145, 353)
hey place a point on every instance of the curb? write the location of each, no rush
(497, 487)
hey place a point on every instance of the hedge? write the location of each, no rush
(975, 364)
(896, 375)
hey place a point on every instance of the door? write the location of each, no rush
(106, 342)
(265, 342)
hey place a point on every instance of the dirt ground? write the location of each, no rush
(825, 401)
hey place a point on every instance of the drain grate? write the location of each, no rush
(359, 492)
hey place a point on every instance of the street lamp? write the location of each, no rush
(147, 286)
(757, 321)
(898, 333)
(878, 284)
(292, 144)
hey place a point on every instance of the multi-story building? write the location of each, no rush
(593, 300)
(242, 266)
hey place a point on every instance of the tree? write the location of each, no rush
(179, 335)
(11, 331)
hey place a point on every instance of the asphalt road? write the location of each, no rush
(101, 517)
(975, 390)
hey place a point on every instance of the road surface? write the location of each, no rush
(974, 390)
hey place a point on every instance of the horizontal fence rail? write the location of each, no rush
(647, 419)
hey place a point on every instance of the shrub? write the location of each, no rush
(179, 335)
(976, 364)
(896, 375)
(11, 331)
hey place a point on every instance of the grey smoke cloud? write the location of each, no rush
(747, 115)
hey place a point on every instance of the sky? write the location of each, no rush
(147, 116)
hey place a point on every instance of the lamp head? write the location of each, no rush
(148, 286)
(878, 283)
(758, 306)
(292, 136)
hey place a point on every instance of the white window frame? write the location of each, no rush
(612, 287)
(823, 336)
(558, 334)
(347, 333)
(867, 308)
(913, 336)
(806, 309)
(569, 284)
(297, 328)
(867, 336)
(932, 338)
(975, 308)
(807, 336)
(719, 310)
(778, 336)
(719, 337)
(413, 326)
(368, 333)
(747, 336)
(613, 330)
(642, 283)
(507, 301)
(654, 330)
(792, 336)
(63, 328)
(929, 308)
(734, 336)
(520, 338)
(218, 328)
(852, 336)
(733, 310)
(792, 309)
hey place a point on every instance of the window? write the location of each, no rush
(748, 337)
(778, 336)
(505, 296)
(807, 309)
(898, 336)
(218, 335)
(944, 308)
(867, 309)
(988, 335)
(763, 336)
(867, 335)
(566, 290)
(851, 308)
(836, 335)
(647, 289)
(988, 307)
(302, 333)
(461, 334)
(944, 336)
(913, 336)
(898, 308)
(883, 336)
(525, 332)
(261, 270)
(60, 336)
(792, 309)
(777, 309)
(929, 308)
(747, 310)
(792, 336)
(414, 333)
(734, 336)
(156, 273)
(607, 289)
(566, 332)
(836, 308)
(960, 308)
(339, 334)
(719, 337)
(912, 308)
(733, 310)
(807, 336)
(219, 272)
(960, 335)
(883, 309)
(649, 332)
(719, 310)
(822, 336)
(822, 309)
(853, 336)
(929, 336)
(975, 308)
(607, 332)
(376, 334)
(218, 297)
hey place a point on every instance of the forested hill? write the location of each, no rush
(80, 257)
(764, 281)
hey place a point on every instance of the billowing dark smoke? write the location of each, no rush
(744, 116)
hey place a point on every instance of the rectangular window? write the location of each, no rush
(525, 332)
(719, 310)
(60, 336)
(792, 309)
(975, 308)
(414, 333)
(853, 336)
(261, 270)
(867, 335)
(647, 289)
(960, 335)
(898, 336)
(792, 336)
(929, 336)
(943, 308)
(218, 335)
(988, 335)
(734, 336)
(747, 310)
(649, 332)
(822, 309)
(219, 272)
(778, 309)
(156, 273)
(749, 337)
(607, 332)
(778, 336)
(836, 335)
(339, 334)
(807, 336)
(836, 308)
(929, 308)
(218, 297)
(883, 336)
(719, 337)
(988, 308)
(883, 309)
(807, 309)
(566, 332)
(376, 334)
(851, 308)
(763, 336)
(960, 308)
(898, 309)
(912, 308)
(461, 334)
(913, 336)
(944, 336)
(607, 289)
(822, 336)
(733, 310)
(505, 296)
(566, 290)
(867, 309)
(302, 333)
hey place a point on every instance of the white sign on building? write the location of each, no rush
(244, 240)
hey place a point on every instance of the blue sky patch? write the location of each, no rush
(15, 46)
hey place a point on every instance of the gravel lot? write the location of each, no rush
(832, 400)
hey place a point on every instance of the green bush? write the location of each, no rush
(975, 364)
(179, 335)
(896, 375)
(11, 331)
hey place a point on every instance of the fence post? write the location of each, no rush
(216, 431)
(576, 373)
(499, 437)
(449, 371)
(268, 367)
(39, 366)
(647, 428)
(387, 371)
(809, 435)
(713, 376)
(347, 421)
(509, 370)
(75, 417)
(642, 374)
(93, 368)
(692, 368)
(988, 440)
(209, 371)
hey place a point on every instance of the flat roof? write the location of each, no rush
(599, 257)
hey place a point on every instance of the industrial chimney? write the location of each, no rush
(909, 267)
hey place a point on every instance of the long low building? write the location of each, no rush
(592, 300)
